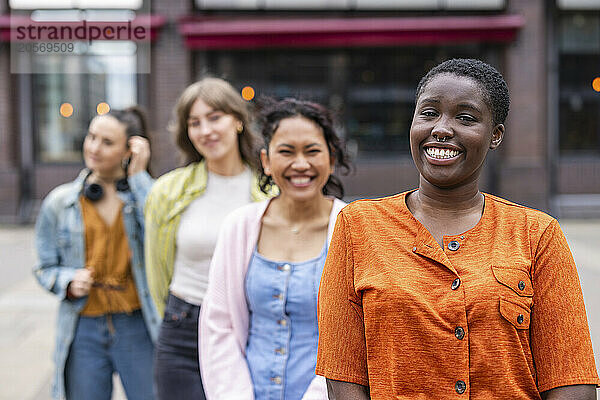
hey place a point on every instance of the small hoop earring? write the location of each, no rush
(240, 129)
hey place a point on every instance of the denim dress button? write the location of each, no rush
(276, 380)
(453, 245)
(520, 319)
(280, 350)
(285, 267)
(460, 387)
(459, 332)
(521, 285)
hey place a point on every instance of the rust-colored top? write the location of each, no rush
(107, 252)
(497, 313)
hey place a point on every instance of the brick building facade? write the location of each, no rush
(366, 76)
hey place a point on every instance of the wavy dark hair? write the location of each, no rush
(220, 95)
(271, 114)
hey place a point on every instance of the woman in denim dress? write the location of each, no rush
(259, 318)
(105, 309)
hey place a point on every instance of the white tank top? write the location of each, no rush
(198, 231)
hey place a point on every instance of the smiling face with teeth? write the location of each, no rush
(298, 159)
(452, 131)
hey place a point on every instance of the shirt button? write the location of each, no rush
(278, 296)
(459, 332)
(453, 245)
(455, 284)
(521, 285)
(285, 267)
(280, 350)
(276, 380)
(460, 387)
(282, 322)
(520, 318)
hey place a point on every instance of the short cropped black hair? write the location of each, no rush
(493, 85)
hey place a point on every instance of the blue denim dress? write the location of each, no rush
(282, 340)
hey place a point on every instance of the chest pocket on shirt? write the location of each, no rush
(516, 309)
(515, 313)
(516, 279)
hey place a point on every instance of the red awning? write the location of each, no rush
(155, 22)
(253, 32)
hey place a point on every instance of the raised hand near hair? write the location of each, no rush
(140, 154)
(81, 283)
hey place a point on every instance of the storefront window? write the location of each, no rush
(371, 91)
(418, 5)
(64, 103)
(579, 83)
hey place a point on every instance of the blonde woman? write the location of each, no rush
(184, 212)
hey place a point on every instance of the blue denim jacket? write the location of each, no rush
(60, 245)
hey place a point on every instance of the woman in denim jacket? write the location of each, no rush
(89, 239)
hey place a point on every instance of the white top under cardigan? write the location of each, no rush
(198, 232)
(224, 320)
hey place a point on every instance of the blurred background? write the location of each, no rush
(362, 58)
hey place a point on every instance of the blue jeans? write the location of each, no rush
(176, 366)
(103, 345)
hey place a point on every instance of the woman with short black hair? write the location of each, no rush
(443, 291)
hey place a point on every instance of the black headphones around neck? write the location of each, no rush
(95, 191)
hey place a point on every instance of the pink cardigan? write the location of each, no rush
(224, 319)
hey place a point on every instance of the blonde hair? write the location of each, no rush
(220, 95)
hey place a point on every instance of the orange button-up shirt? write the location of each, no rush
(107, 252)
(497, 313)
